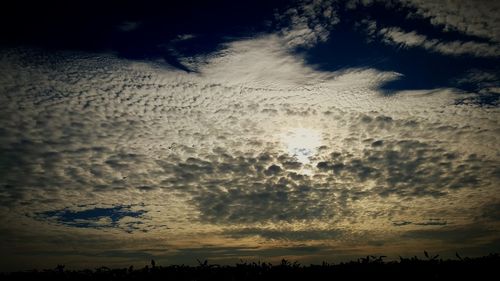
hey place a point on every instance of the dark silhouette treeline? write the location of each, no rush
(370, 267)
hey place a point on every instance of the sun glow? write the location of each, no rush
(301, 143)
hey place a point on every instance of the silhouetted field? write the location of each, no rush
(369, 268)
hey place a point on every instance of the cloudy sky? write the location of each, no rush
(257, 130)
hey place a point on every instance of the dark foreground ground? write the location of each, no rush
(369, 268)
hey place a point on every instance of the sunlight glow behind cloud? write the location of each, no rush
(301, 143)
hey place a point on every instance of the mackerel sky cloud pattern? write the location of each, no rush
(313, 130)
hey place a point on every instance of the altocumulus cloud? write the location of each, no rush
(100, 153)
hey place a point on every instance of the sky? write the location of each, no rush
(247, 130)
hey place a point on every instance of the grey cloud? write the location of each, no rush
(478, 18)
(409, 168)
(401, 223)
(146, 188)
(273, 170)
(266, 201)
(378, 143)
(491, 211)
(484, 82)
(377, 122)
(406, 168)
(430, 222)
(236, 254)
(480, 77)
(475, 20)
(143, 255)
(298, 235)
(292, 165)
(308, 23)
(400, 37)
(458, 236)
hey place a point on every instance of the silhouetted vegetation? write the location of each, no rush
(374, 268)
